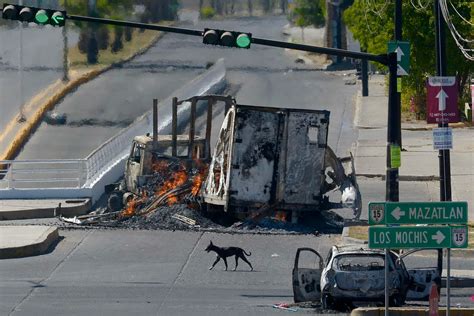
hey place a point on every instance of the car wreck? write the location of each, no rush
(352, 274)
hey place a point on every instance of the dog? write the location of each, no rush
(224, 252)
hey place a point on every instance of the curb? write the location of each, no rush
(33, 249)
(22, 136)
(399, 311)
(81, 208)
(400, 178)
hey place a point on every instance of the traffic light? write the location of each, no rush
(227, 38)
(32, 14)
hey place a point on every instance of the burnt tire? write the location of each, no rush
(114, 202)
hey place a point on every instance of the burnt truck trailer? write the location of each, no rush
(278, 159)
(265, 159)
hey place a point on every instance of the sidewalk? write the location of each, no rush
(419, 161)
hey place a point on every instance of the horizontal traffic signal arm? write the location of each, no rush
(383, 58)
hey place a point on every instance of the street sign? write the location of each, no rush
(395, 155)
(442, 100)
(403, 237)
(417, 213)
(442, 138)
(403, 56)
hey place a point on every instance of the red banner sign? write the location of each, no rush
(442, 99)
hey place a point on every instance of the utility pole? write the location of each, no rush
(443, 154)
(22, 117)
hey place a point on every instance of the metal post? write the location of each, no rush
(155, 123)
(210, 106)
(393, 128)
(192, 122)
(387, 294)
(22, 117)
(391, 180)
(398, 37)
(365, 78)
(65, 49)
(444, 154)
(174, 127)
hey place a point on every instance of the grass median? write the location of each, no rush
(361, 233)
(139, 41)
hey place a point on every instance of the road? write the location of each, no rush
(42, 62)
(151, 273)
(260, 76)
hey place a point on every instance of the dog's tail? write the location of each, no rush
(247, 254)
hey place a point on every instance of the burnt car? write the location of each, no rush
(352, 275)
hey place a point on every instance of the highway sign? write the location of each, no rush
(403, 237)
(417, 213)
(442, 138)
(403, 56)
(442, 100)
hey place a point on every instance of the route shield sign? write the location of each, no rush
(442, 100)
(403, 56)
(404, 237)
(417, 213)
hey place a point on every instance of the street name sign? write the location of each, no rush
(403, 56)
(387, 213)
(403, 237)
(442, 100)
(442, 138)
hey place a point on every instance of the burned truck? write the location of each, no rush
(277, 159)
(265, 159)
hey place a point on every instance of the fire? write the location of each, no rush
(131, 208)
(177, 179)
(160, 166)
(281, 216)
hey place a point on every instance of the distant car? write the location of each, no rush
(354, 274)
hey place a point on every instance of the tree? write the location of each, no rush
(373, 27)
(308, 12)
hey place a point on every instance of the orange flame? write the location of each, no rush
(131, 208)
(177, 179)
(160, 166)
(281, 216)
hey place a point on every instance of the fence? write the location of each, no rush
(105, 164)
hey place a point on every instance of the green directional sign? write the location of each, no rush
(403, 56)
(417, 213)
(403, 237)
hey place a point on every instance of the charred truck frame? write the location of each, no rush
(265, 159)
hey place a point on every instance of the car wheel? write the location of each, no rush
(327, 302)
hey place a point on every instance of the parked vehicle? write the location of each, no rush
(352, 274)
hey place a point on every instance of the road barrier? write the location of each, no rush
(87, 177)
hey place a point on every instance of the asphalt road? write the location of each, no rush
(42, 64)
(151, 273)
(259, 76)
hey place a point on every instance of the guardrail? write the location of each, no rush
(28, 174)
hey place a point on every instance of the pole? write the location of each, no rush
(365, 78)
(393, 128)
(443, 155)
(22, 117)
(65, 50)
(398, 37)
(391, 179)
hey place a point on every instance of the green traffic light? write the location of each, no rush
(41, 17)
(57, 18)
(243, 41)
